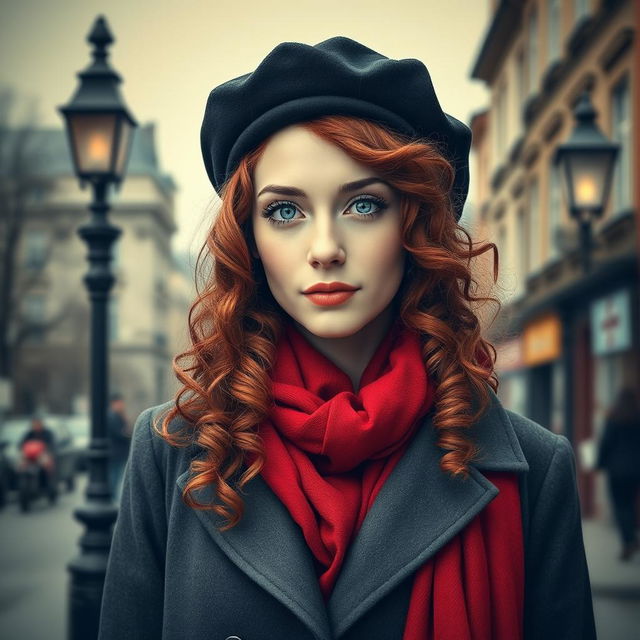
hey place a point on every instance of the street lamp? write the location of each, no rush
(99, 128)
(586, 161)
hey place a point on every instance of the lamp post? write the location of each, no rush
(586, 160)
(99, 128)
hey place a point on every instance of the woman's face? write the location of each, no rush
(312, 225)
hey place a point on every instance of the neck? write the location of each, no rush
(353, 353)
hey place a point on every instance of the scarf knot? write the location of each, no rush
(318, 412)
(329, 451)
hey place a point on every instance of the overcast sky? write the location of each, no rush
(172, 53)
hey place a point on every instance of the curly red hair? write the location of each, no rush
(235, 322)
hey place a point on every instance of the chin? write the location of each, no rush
(332, 326)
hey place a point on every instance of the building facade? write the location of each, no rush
(567, 340)
(51, 365)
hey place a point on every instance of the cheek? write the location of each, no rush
(277, 261)
(394, 256)
(387, 256)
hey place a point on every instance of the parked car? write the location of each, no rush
(68, 452)
(12, 431)
(11, 434)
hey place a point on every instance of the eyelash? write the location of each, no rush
(381, 203)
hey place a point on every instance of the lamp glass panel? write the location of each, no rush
(587, 174)
(565, 182)
(123, 146)
(93, 137)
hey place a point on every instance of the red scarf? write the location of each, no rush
(330, 450)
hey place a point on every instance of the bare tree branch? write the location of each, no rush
(20, 176)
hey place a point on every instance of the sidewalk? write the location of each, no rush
(609, 576)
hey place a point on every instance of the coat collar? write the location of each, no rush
(417, 511)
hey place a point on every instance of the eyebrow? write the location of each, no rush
(345, 188)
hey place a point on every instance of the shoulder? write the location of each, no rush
(508, 441)
(537, 442)
(149, 446)
(549, 455)
(149, 422)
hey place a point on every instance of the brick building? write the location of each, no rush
(567, 340)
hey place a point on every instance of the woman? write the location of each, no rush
(337, 464)
(618, 455)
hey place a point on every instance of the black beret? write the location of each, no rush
(298, 82)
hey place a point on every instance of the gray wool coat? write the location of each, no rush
(172, 575)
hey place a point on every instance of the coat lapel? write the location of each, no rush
(418, 510)
(269, 547)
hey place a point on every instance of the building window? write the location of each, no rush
(160, 339)
(502, 244)
(34, 316)
(555, 208)
(553, 30)
(534, 224)
(501, 122)
(521, 83)
(580, 9)
(36, 245)
(523, 247)
(532, 33)
(621, 133)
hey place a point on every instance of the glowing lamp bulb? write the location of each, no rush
(586, 189)
(98, 147)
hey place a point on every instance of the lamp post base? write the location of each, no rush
(85, 595)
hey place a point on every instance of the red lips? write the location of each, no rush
(328, 287)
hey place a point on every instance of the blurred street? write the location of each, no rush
(37, 546)
(550, 93)
(615, 585)
(35, 550)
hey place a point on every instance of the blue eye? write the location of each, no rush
(287, 212)
(369, 207)
(366, 208)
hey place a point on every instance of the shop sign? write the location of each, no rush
(542, 340)
(611, 323)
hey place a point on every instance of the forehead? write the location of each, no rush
(295, 155)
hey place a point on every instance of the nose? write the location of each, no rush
(326, 248)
